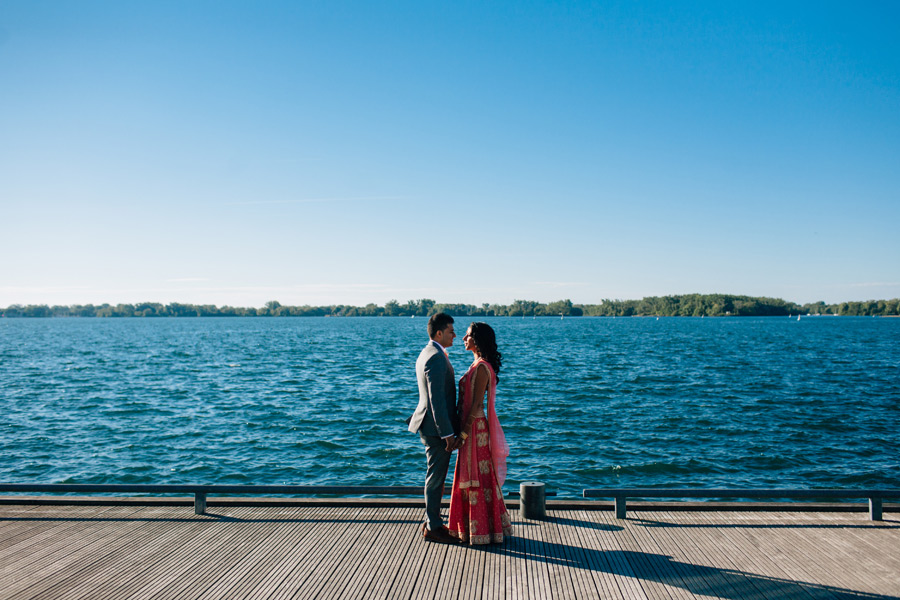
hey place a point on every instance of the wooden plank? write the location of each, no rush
(474, 559)
(774, 542)
(591, 552)
(365, 562)
(516, 565)
(295, 570)
(693, 550)
(269, 552)
(767, 575)
(290, 544)
(121, 571)
(817, 556)
(615, 562)
(778, 566)
(281, 528)
(198, 564)
(452, 573)
(569, 526)
(490, 584)
(59, 556)
(660, 578)
(314, 577)
(20, 522)
(446, 582)
(395, 555)
(427, 579)
(45, 528)
(559, 559)
(536, 565)
(419, 568)
(66, 553)
(373, 561)
(875, 540)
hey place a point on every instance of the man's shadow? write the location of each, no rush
(697, 579)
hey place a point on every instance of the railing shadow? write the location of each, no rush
(580, 523)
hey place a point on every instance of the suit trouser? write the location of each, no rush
(438, 464)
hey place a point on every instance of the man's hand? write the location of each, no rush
(453, 443)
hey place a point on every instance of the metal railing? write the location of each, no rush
(200, 492)
(875, 497)
(620, 495)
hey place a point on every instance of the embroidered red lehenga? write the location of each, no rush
(478, 513)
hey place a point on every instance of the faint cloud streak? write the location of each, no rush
(876, 284)
(317, 200)
(558, 284)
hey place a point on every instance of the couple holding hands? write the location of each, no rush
(478, 513)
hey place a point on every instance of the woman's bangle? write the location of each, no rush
(464, 435)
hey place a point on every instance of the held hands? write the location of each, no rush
(454, 443)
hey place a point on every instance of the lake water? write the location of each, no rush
(585, 402)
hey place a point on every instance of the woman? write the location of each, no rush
(477, 512)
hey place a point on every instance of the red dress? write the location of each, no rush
(478, 513)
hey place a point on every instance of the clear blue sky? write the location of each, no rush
(351, 152)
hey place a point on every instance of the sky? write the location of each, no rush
(233, 153)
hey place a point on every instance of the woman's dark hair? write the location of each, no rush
(486, 342)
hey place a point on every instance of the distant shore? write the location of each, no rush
(690, 305)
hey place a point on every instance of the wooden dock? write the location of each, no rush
(134, 551)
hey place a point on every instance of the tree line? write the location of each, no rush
(689, 305)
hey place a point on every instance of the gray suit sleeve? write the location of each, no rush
(435, 376)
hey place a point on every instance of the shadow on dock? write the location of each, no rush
(885, 524)
(378, 552)
(700, 580)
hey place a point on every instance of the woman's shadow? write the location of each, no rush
(697, 579)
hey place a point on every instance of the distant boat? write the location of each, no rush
(798, 317)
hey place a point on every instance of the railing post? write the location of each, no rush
(620, 507)
(875, 509)
(200, 503)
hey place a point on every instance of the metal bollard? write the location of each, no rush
(533, 501)
(199, 503)
(875, 509)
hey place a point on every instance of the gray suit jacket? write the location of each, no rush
(436, 412)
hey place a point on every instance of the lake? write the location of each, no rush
(585, 402)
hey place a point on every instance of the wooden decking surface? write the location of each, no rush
(143, 552)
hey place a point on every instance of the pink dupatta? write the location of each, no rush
(499, 447)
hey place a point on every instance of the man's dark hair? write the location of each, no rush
(438, 322)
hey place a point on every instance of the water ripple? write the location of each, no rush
(584, 402)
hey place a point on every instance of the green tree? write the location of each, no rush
(392, 308)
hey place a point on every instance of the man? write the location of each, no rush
(436, 420)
